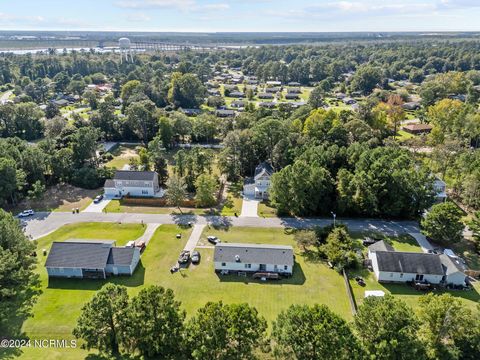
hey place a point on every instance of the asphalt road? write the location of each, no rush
(44, 223)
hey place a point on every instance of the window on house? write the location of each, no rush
(248, 266)
(224, 264)
(391, 274)
(285, 267)
(419, 277)
(401, 275)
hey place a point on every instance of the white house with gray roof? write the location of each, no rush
(392, 266)
(133, 183)
(259, 185)
(90, 259)
(252, 258)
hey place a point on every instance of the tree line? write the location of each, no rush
(152, 324)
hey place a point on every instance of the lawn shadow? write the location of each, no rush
(137, 279)
(297, 278)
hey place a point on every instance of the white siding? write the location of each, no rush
(65, 272)
(399, 277)
(234, 266)
(457, 278)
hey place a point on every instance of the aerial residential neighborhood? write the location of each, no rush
(301, 181)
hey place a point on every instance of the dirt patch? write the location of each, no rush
(62, 197)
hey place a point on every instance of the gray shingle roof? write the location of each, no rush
(78, 255)
(254, 253)
(109, 183)
(121, 256)
(404, 262)
(134, 175)
(264, 167)
(381, 246)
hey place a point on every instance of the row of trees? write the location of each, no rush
(153, 325)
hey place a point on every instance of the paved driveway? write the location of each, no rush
(194, 237)
(249, 207)
(97, 208)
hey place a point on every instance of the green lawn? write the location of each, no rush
(403, 242)
(265, 210)
(60, 304)
(116, 206)
(122, 156)
(312, 281)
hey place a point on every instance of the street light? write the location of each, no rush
(334, 216)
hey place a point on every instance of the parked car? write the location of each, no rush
(26, 213)
(184, 257)
(213, 240)
(98, 199)
(195, 257)
(141, 245)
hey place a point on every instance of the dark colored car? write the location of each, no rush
(195, 257)
(184, 257)
(98, 199)
(213, 240)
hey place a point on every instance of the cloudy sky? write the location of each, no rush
(241, 15)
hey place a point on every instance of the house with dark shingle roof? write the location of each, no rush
(90, 259)
(251, 258)
(392, 266)
(133, 183)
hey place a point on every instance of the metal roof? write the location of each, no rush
(381, 246)
(254, 253)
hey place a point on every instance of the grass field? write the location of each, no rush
(116, 206)
(233, 203)
(122, 156)
(60, 304)
(266, 211)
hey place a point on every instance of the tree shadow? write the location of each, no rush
(297, 278)
(183, 220)
(137, 279)
(220, 222)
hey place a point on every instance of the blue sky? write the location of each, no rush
(241, 15)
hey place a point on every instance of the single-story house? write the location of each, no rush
(294, 90)
(259, 185)
(90, 259)
(133, 183)
(191, 112)
(265, 96)
(273, 90)
(417, 129)
(236, 94)
(268, 105)
(238, 104)
(349, 101)
(294, 83)
(392, 266)
(412, 105)
(223, 113)
(252, 258)
(292, 96)
(274, 83)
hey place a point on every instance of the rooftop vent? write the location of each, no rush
(237, 258)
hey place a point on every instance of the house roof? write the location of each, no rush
(254, 253)
(109, 183)
(418, 127)
(134, 175)
(381, 246)
(450, 265)
(121, 255)
(85, 254)
(412, 263)
(264, 167)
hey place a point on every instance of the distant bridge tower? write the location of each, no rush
(125, 49)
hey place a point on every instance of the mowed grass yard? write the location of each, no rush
(408, 244)
(60, 303)
(59, 306)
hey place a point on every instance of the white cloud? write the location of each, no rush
(138, 17)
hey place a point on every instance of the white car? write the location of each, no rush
(26, 213)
